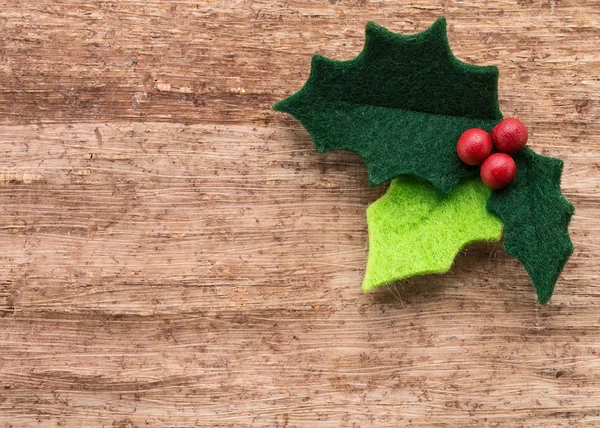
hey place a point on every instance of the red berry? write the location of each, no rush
(474, 146)
(498, 171)
(510, 136)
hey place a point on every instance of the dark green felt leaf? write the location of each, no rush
(401, 104)
(536, 217)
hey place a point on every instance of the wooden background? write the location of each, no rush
(174, 253)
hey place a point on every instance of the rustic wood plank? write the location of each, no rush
(176, 254)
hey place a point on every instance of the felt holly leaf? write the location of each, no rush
(536, 217)
(415, 230)
(401, 104)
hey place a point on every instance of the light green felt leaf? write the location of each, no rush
(401, 104)
(415, 230)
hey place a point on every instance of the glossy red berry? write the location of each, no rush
(510, 136)
(474, 146)
(498, 171)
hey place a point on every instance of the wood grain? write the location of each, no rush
(174, 253)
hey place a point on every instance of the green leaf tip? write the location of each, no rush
(401, 104)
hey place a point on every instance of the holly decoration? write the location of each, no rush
(402, 105)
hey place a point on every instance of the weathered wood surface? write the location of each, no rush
(176, 254)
